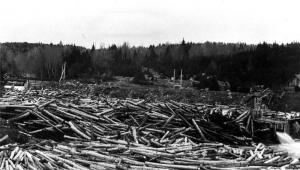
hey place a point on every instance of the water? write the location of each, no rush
(284, 138)
(288, 144)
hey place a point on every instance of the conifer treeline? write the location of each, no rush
(239, 63)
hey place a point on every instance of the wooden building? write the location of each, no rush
(295, 82)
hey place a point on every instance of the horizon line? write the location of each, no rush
(103, 45)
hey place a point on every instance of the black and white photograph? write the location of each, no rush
(149, 84)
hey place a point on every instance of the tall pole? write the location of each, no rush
(0, 70)
(181, 77)
(174, 75)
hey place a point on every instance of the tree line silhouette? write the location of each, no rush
(241, 64)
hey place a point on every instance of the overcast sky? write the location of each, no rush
(144, 22)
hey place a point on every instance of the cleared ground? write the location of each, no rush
(164, 90)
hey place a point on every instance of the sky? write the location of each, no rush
(146, 22)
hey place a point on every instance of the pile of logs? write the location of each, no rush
(107, 133)
(152, 124)
(119, 154)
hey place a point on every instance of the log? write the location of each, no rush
(199, 130)
(78, 131)
(172, 166)
(4, 138)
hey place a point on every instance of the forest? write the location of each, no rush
(242, 65)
